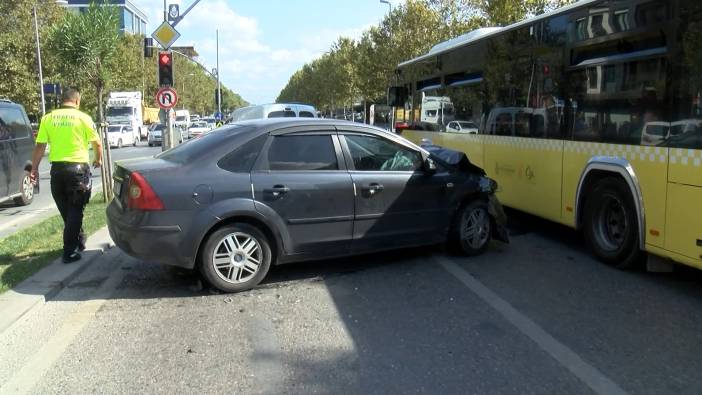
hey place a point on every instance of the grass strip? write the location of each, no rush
(29, 250)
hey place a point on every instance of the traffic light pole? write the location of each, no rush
(168, 139)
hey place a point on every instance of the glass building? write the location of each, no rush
(133, 20)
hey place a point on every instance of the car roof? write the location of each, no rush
(268, 125)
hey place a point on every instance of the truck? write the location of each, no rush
(127, 108)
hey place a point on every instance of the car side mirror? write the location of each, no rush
(430, 166)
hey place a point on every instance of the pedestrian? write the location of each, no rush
(69, 131)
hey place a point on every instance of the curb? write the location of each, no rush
(45, 284)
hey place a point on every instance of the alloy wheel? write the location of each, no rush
(476, 228)
(237, 258)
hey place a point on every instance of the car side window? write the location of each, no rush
(301, 153)
(242, 159)
(371, 153)
(306, 114)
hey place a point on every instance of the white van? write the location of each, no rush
(182, 119)
(274, 110)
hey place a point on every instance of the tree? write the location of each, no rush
(20, 81)
(85, 44)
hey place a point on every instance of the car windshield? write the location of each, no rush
(114, 129)
(468, 125)
(119, 111)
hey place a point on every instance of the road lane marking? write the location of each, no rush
(34, 370)
(588, 374)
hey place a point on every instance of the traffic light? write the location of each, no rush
(165, 68)
(148, 47)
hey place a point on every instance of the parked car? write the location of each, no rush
(120, 135)
(198, 128)
(16, 146)
(211, 122)
(467, 127)
(266, 192)
(155, 136)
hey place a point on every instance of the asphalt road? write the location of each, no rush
(14, 218)
(537, 316)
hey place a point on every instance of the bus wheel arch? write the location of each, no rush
(611, 182)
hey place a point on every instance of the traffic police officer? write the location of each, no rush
(69, 131)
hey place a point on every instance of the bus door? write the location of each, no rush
(683, 208)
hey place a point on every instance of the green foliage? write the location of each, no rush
(20, 77)
(87, 50)
(85, 43)
(361, 70)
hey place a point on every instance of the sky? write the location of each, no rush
(262, 43)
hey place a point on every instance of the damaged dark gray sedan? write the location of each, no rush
(253, 194)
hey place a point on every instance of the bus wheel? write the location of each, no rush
(611, 225)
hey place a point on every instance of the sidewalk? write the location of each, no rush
(48, 282)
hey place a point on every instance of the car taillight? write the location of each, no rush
(141, 195)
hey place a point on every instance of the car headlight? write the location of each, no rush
(488, 185)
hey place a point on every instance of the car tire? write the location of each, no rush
(472, 228)
(228, 259)
(119, 143)
(26, 191)
(134, 143)
(611, 225)
(151, 144)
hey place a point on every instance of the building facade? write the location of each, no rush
(133, 20)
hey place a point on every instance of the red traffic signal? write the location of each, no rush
(165, 68)
(165, 58)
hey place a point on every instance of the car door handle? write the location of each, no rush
(278, 190)
(373, 188)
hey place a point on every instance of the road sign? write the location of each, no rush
(218, 116)
(173, 12)
(166, 98)
(166, 35)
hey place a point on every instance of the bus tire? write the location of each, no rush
(611, 225)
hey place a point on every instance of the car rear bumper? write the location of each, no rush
(153, 243)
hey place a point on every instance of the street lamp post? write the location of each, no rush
(392, 109)
(36, 37)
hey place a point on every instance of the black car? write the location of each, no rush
(16, 146)
(256, 193)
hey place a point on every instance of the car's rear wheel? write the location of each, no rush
(119, 143)
(26, 191)
(235, 258)
(472, 228)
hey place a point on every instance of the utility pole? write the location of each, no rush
(41, 76)
(219, 88)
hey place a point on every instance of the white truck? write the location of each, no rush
(126, 108)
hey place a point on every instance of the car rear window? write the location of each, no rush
(12, 124)
(306, 114)
(195, 148)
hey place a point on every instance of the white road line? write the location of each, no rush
(32, 372)
(587, 373)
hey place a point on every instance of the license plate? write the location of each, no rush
(118, 188)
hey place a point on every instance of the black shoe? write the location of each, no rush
(72, 258)
(81, 242)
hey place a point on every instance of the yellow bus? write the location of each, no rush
(589, 116)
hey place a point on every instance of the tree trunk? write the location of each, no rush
(101, 115)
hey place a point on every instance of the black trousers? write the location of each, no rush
(70, 188)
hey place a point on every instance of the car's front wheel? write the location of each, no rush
(472, 228)
(26, 192)
(235, 258)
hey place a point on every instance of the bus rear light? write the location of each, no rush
(141, 195)
(654, 232)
